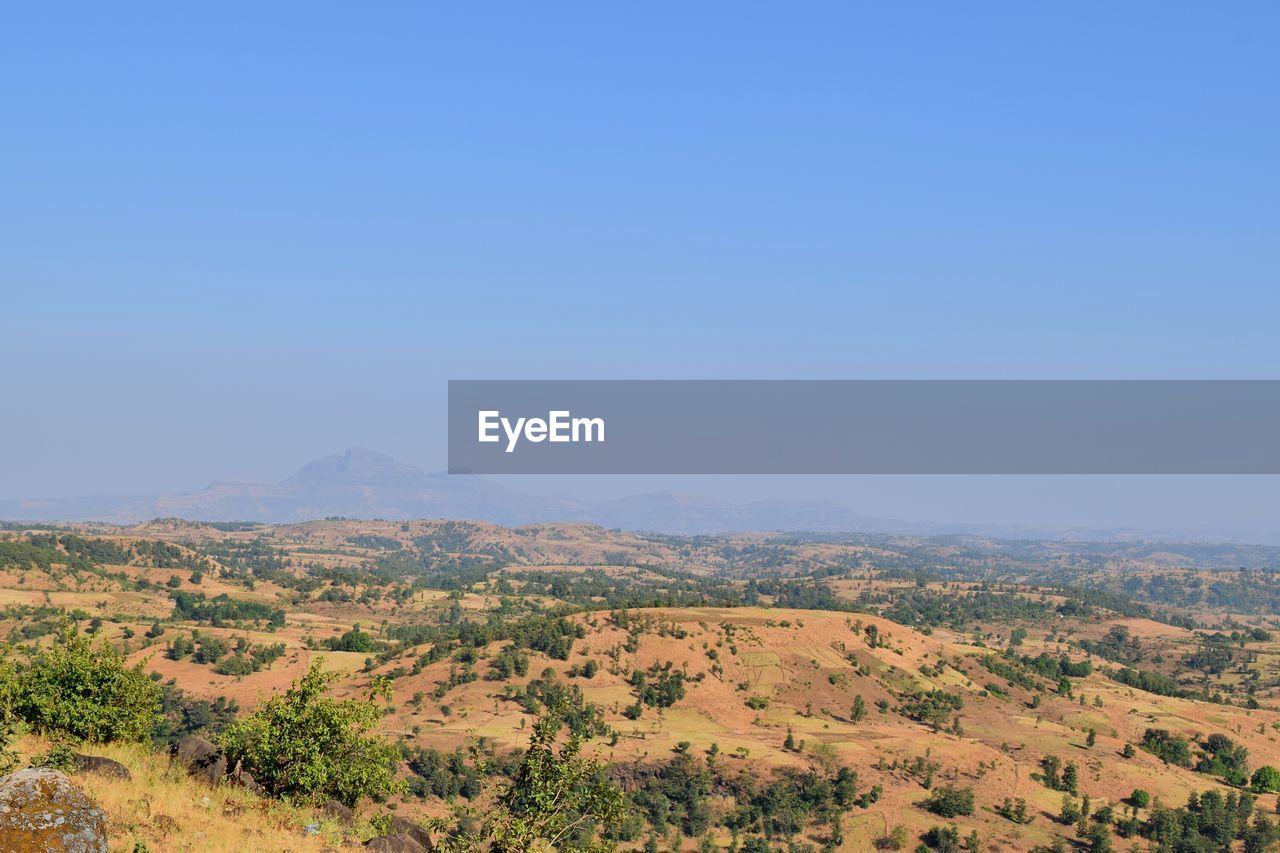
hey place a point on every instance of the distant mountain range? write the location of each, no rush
(363, 484)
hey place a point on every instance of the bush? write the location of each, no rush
(1168, 747)
(307, 744)
(237, 665)
(88, 693)
(1265, 779)
(59, 757)
(949, 801)
(8, 723)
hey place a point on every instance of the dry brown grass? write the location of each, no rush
(164, 810)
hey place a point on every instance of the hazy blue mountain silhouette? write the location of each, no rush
(361, 483)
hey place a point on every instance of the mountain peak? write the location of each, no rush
(358, 466)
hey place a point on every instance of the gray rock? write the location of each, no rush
(338, 811)
(203, 759)
(401, 825)
(394, 844)
(101, 766)
(41, 811)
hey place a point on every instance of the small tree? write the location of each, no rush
(83, 691)
(554, 796)
(949, 801)
(1070, 778)
(306, 743)
(1050, 766)
(1070, 812)
(8, 723)
(1265, 779)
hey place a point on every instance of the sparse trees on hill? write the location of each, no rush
(556, 800)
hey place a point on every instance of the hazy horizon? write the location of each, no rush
(1204, 506)
(224, 269)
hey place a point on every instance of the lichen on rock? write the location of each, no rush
(41, 811)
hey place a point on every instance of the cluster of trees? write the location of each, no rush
(932, 707)
(930, 608)
(551, 634)
(236, 656)
(182, 715)
(1168, 747)
(660, 686)
(354, 640)
(656, 587)
(1210, 821)
(1151, 682)
(223, 609)
(1057, 777)
(949, 801)
(163, 555)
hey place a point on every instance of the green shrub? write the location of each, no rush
(236, 664)
(1265, 779)
(59, 757)
(85, 692)
(307, 744)
(8, 722)
(949, 801)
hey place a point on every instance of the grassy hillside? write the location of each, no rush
(743, 692)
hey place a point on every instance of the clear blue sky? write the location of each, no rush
(238, 237)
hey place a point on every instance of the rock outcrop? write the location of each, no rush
(41, 811)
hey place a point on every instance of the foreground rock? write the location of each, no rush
(203, 759)
(42, 812)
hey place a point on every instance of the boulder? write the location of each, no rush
(101, 766)
(203, 759)
(337, 811)
(41, 811)
(401, 825)
(394, 844)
